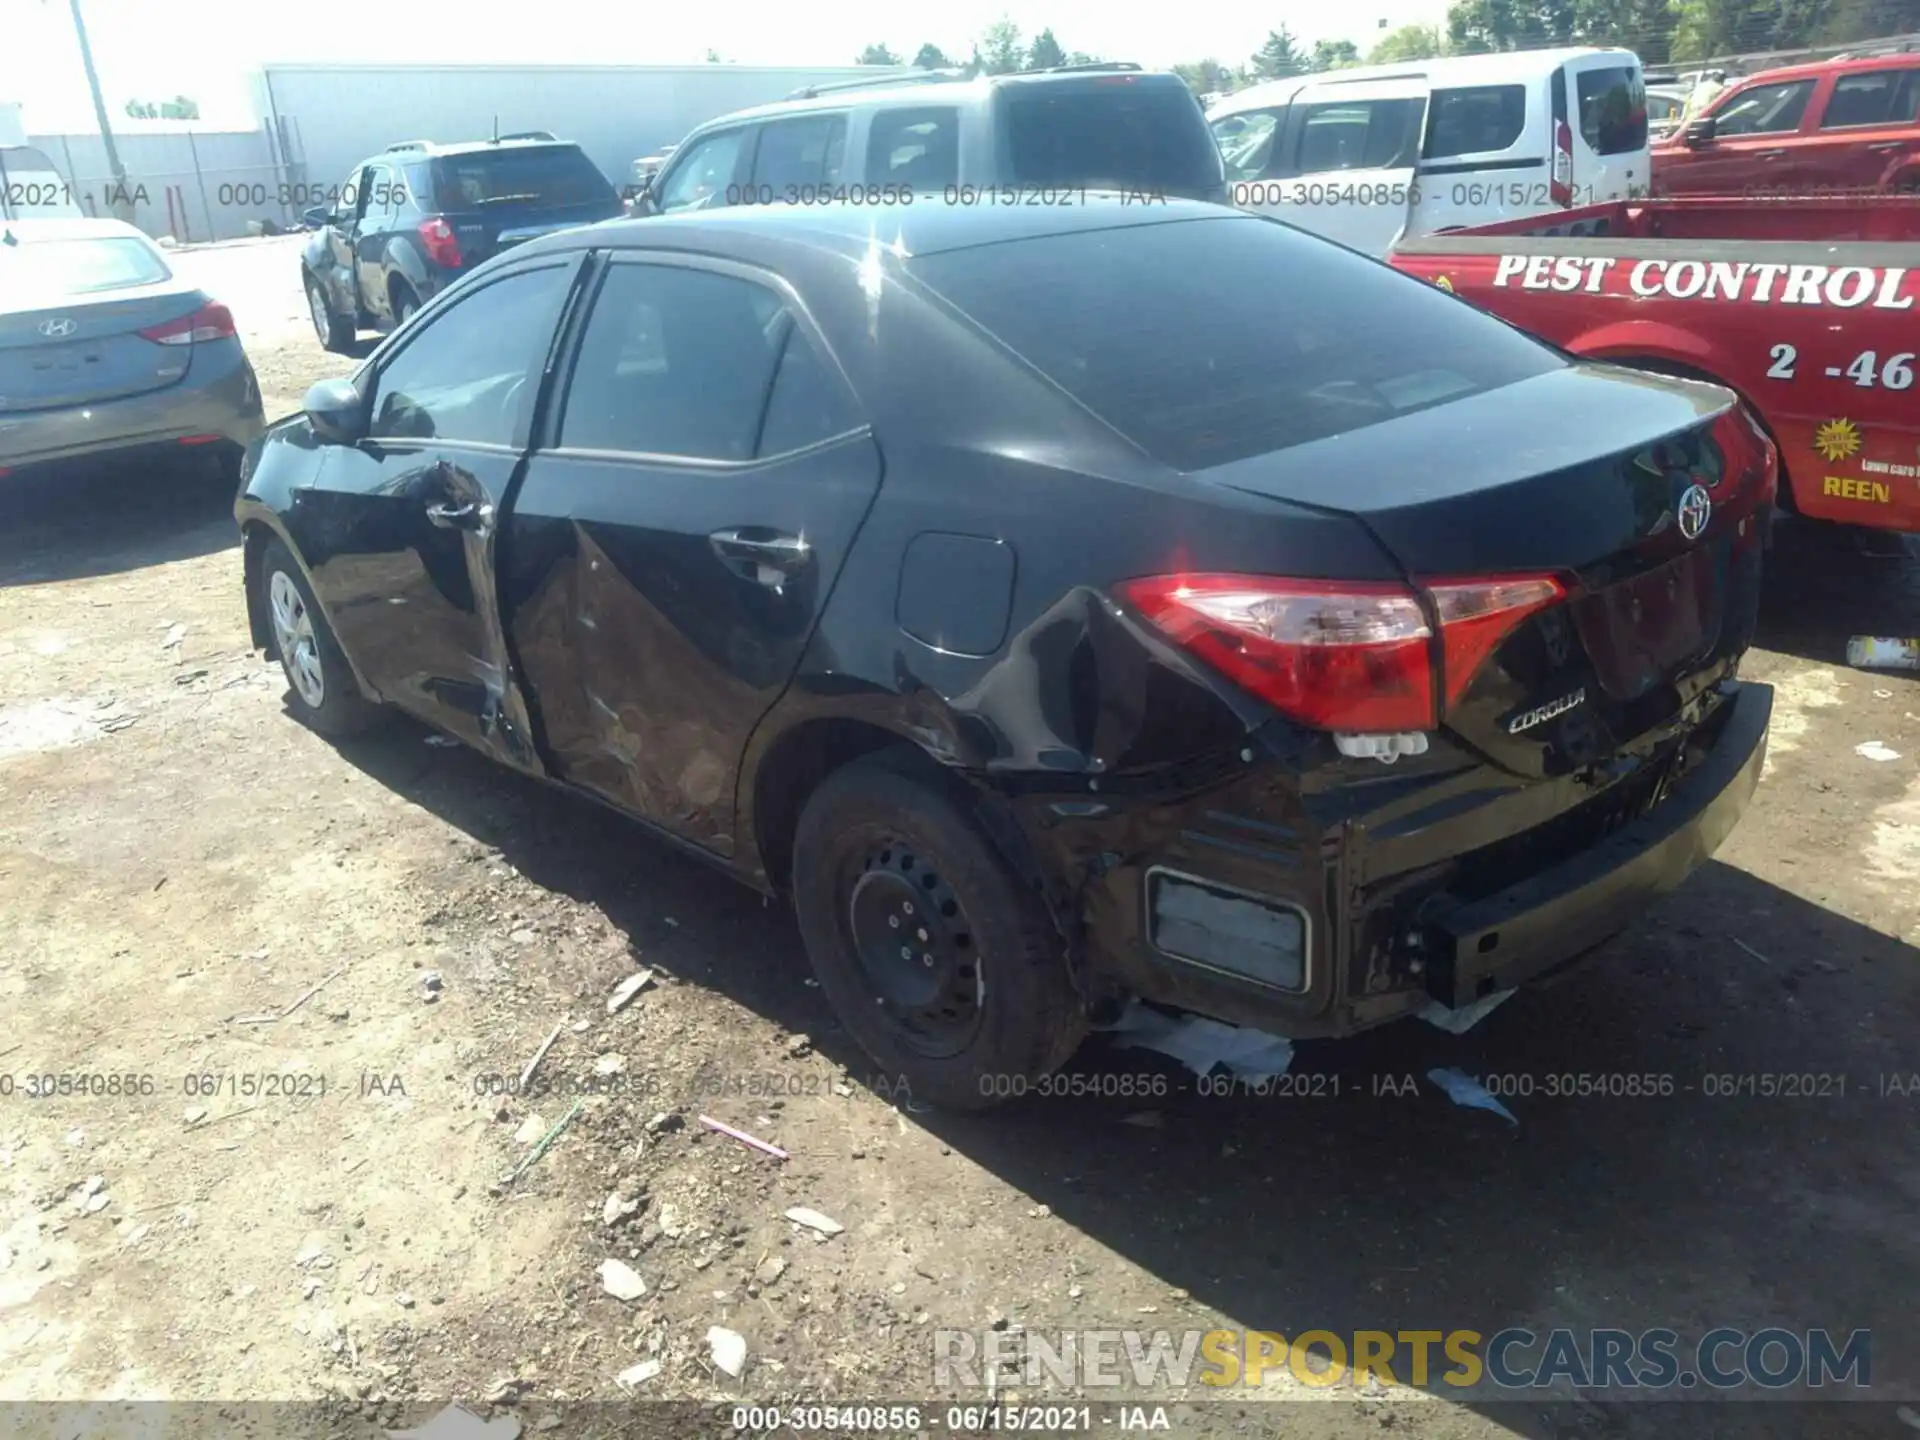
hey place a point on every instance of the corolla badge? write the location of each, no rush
(1541, 714)
(1694, 510)
(56, 329)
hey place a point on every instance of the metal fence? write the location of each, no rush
(192, 185)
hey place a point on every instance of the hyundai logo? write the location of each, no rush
(1694, 510)
(57, 329)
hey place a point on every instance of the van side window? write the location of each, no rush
(1360, 135)
(916, 148)
(1246, 141)
(1613, 109)
(1475, 120)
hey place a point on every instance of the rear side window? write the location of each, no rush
(1475, 120)
(1360, 135)
(1763, 109)
(710, 367)
(1238, 336)
(1613, 109)
(799, 155)
(78, 267)
(547, 175)
(916, 148)
(1112, 133)
(1246, 141)
(1879, 97)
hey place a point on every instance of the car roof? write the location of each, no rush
(433, 149)
(1503, 67)
(854, 230)
(1814, 69)
(941, 88)
(42, 228)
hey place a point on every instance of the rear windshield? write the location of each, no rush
(78, 267)
(549, 176)
(1207, 341)
(1115, 132)
(1613, 109)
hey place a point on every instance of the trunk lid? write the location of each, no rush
(1583, 473)
(77, 349)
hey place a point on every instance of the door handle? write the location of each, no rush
(1886, 145)
(763, 556)
(1768, 154)
(469, 516)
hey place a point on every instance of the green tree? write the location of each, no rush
(1475, 27)
(877, 55)
(999, 51)
(1279, 56)
(1203, 77)
(1409, 42)
(1333, 54)
(713, 56)
(1045, 52)
(1081, 57)
(932, 57)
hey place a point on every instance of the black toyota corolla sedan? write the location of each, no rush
(1063, 606)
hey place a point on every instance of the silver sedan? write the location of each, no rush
(103, 349)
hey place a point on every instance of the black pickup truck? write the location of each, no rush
(411, 220)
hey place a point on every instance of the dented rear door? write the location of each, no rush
(703, 472)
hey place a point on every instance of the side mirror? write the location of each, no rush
(336, 410)
(314, 217)
(644, 203)
(1700, 131)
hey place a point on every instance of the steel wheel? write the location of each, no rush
(294, 637)
(916, 948)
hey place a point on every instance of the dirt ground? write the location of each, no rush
(197, 892)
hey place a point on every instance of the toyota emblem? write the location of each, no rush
(57, 329)
(1695, 509)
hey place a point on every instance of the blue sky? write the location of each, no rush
(156, 48)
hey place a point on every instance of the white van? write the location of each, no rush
(1364, 155)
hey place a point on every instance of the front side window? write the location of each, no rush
(689, 363)
(1360, 135)
(919, 148)
(1763, 109)
(1246, 141)
(1475, 120)
(1879, 97)
(1613, 109)
(799, 154)
(469, 374)
(704, 173)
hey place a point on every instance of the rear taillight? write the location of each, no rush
(210, 322)
(1561, 187)
(443, 247)
(1354, 657)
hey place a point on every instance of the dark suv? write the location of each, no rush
(417, 216)
(1041, 137)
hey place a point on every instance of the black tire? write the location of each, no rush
(875, 842)
(339, 708)
(405, 303)
(337, 333)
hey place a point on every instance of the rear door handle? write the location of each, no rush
(1768, 154)
(1886, 145)
(469, 516)
(766, 557)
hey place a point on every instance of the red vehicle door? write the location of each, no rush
(1757, 136)
(1868, 135)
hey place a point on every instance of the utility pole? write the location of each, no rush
(122, 203)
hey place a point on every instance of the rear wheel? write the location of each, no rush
(325, 694)
(405, 302)
(940, 962)
(335, 331)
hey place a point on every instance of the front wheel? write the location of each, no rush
(334, 330)
(941, 963)
(325, 694)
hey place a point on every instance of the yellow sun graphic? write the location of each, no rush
(1837, 439)
(1445, 284)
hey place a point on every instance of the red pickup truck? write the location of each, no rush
(1808, 309)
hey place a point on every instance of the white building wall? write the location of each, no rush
(335, 116)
